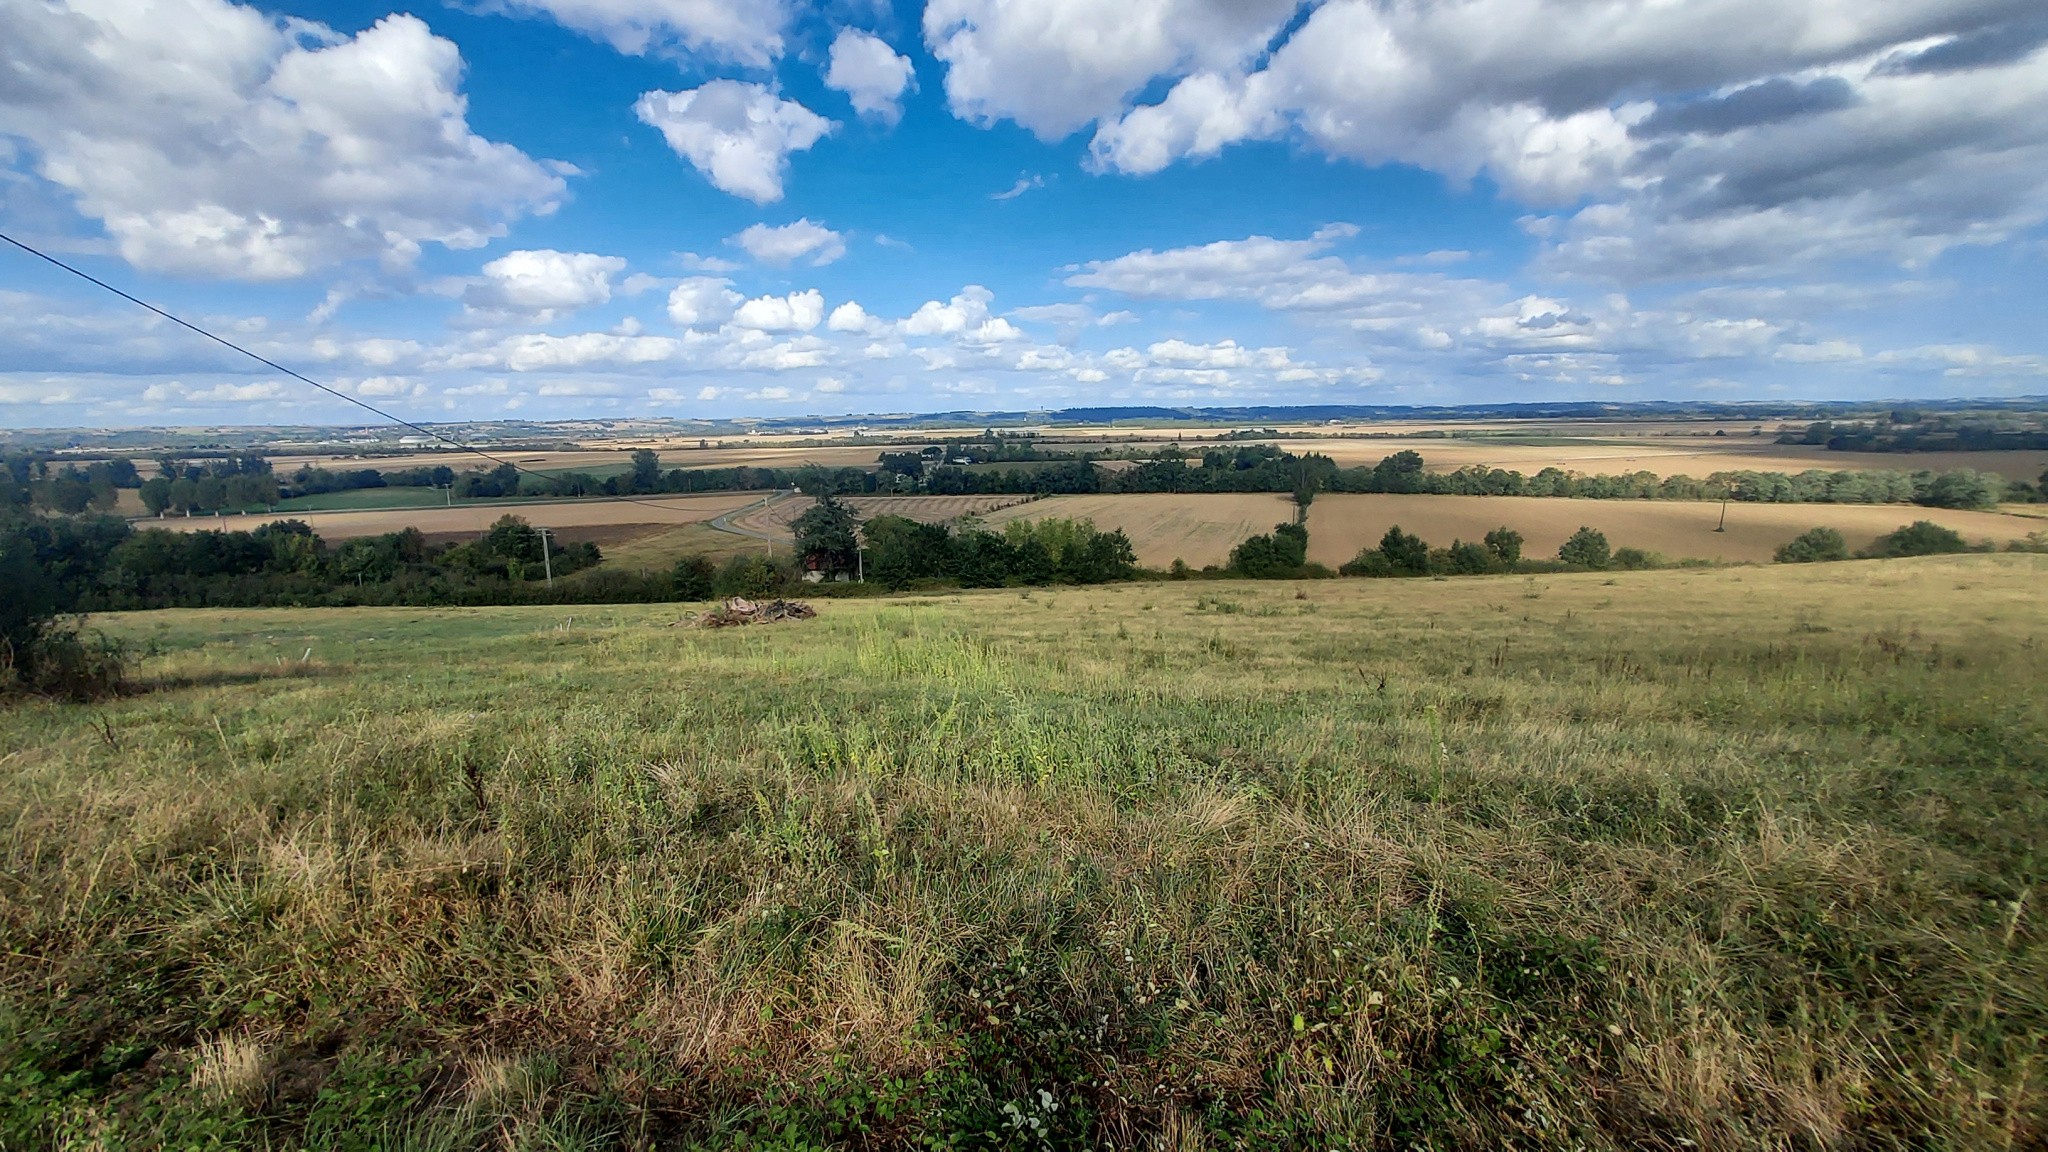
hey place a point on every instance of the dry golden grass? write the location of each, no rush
(228, 1070)
(655, 513)
(1340, 525)
(1199, 529)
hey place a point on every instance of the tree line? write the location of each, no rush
(1266, 468)
(102, 563)
(1909, 430)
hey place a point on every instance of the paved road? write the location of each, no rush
(725, 523)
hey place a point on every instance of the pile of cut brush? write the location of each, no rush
(738, 611)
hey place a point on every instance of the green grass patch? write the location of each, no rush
(1737, 859)
(366, 498)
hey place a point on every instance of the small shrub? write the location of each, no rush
(1371, 562)
(63, 659)
(750, 576)
(1634, 559)
(1468, 559)
(1814, 546)
(1920, 538)
(1586, 549)
(693, 578)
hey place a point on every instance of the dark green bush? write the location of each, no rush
(1920, 538)
(1815, 545)
(1586, 549)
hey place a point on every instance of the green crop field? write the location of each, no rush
(367, 498)
(1740, 858)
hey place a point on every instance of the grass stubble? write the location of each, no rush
(1727, 859)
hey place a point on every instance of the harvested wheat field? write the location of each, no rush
(1340, 525)
(1665, 457)
(776, 518)
(1200, 529)
(601, 460)
(653, 512)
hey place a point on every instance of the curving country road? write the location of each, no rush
(724, 522)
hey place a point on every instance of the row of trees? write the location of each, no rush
(1265, 468)
(898, 552)
(1910, 431)
(38, 480)
(998, 468)
(101, 563)
(1920, 538)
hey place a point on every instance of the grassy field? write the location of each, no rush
(1720, 859)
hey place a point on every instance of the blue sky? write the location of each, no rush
(554, 208)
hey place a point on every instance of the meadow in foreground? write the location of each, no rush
(1730, 859)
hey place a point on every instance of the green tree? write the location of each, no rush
(646, 475)
(1274, 556)
(1813, 546)
(1586, 549)
(1920, 538)
(512, 538)
(902, 551)
(1959, 488)
(1506, 545)
(1470, 559)
(826, 536)
(1404, 552)
(693, 578)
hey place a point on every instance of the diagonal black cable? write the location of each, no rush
(339, 395)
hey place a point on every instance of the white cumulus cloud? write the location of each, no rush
(544, 283)
(872, 74)
(851, 317)
(796, 312)
(213, 139)
(791, 242)
(738, 134)
(743, 31)
(702, 302)
(1055, 65)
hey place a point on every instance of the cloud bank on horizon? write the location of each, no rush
(709, 207)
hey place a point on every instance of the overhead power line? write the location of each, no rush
(301, 378)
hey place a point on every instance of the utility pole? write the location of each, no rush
(1723, 525)
(547, 561)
